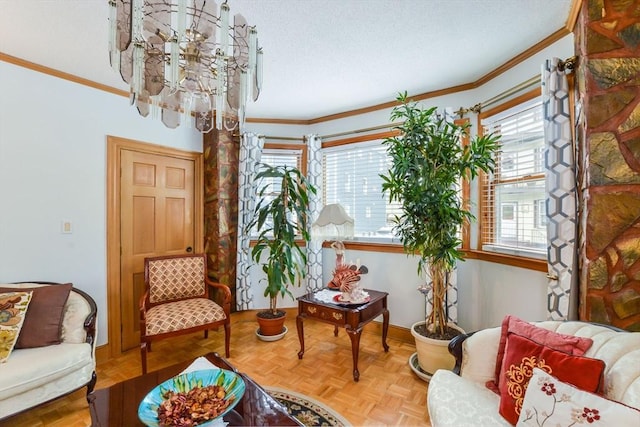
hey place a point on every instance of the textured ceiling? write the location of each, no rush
(320, 56)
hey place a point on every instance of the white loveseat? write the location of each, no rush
(32, 376)
(464, 400)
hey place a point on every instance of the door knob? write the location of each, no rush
(189, 249)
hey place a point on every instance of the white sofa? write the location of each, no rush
(32, 376)
(464, 400)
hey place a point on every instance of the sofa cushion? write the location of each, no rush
(76, 311)
(33, 368)
(459, 402)
(13, 309)
(553, 402)
(43, 321)
(512, 324)
(620, 352)
(482, 346)
(523, 354)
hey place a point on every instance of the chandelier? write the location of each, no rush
(185, 62)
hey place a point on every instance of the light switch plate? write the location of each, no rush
(66, 227)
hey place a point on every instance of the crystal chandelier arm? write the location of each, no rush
(185, 56)
(174, 62)
(137, 19)
(114, 53)
(220, 98)
(224, 27)
(258, 83)
(253, 49)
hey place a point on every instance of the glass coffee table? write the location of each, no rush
(118, 405)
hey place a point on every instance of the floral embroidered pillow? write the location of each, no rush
(13, 307)
(551, 402)
(523, 354)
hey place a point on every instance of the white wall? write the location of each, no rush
(52, 168)
(487, 291)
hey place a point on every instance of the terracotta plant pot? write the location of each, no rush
(271, 325)
(433, 354)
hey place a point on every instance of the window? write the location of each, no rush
(513, 197)
(293, 155)
(352, 178)
(541, 213)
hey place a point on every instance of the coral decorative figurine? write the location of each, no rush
(346, 278)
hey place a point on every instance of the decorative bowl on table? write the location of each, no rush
(230, 381)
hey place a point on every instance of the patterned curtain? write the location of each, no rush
(560, 170)
(250, 153)
(314, 247)
(452, 297)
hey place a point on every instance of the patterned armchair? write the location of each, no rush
(176, 301)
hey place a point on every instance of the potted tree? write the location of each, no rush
(280, 217)
(428, 164)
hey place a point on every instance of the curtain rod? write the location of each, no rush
(507, 93)
(369, 129)
(568, 65)
(533, 81)
(335, 135)
(284, 138)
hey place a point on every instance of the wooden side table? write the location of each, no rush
(351, 317)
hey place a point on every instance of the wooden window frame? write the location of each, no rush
(485, 217)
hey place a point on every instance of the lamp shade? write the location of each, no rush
(333, 222)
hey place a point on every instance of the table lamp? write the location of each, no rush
(334, 223)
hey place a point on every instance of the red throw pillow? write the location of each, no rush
(43, 321)
(571, 344)
(523, 354)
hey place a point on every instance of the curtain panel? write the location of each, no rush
(251, 146)
(314, 246)
(561, 205)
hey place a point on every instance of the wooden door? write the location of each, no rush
(156, 218)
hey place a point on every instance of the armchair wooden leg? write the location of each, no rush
(143, 356)
(206, 333)
(227, 338)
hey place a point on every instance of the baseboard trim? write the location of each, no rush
(396, 332)
(103, 352)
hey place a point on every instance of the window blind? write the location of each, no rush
(513, 197)
(351, 177)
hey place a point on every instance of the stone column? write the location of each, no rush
(221, 159)
(607, 39)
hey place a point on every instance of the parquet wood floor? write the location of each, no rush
(388, 393)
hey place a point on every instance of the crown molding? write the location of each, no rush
(559, 34)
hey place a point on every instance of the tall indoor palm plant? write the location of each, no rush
(428, 163)
(281, 219)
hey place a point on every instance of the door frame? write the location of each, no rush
(115, 145)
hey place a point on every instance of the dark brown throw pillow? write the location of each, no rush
(43, 322)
